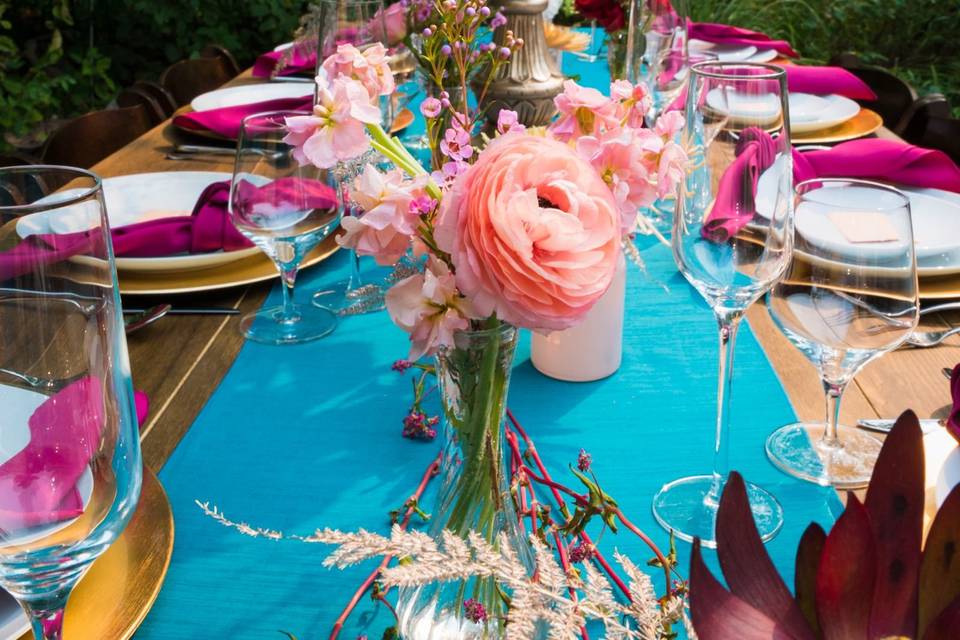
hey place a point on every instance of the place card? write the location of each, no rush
(863, 226)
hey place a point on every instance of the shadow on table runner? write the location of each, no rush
(302, 437)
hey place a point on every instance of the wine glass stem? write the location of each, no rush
(355, 282)
(288, 273)
(728, 322)
(46, 615)
(833, 393)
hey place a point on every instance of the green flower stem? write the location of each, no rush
(393, 149)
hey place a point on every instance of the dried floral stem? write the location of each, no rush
(431, 471)
(567, 569)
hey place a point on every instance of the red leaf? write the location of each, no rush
(805, 578)
(946, 626)
(940, 567)
(747, 567)
(846, 575)
(717, 614)
(895, 504)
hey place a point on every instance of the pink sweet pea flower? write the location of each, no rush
(583, 112)
(335, 132)
(369, 67)
(508, 121)
(429, 307)
(431, 107)
(389, 220)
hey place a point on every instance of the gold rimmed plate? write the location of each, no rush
(115, 595)
(860, 125)
(940, 288)
(256, 268)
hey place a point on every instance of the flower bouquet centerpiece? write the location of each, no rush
(523, 230)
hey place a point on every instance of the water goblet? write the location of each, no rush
(848, 297)
(70, 466)
(731, 245)
(286, 210)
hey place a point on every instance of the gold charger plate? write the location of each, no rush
(940, 288)
(862, 124)
(257, 268)
(115, 595)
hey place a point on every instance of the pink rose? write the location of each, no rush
(583, 112)
(336, 131)
(389, 219)
(389, 25)
(532, 231)
(368, 67)
(429, 307)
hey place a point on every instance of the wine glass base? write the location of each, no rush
(688, 507)
(343, 300)
(800, 451)
(267, 327)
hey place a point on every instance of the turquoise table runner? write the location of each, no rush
(297, 438)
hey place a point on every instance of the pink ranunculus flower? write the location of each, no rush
(508, 120)
(429, 307)
(389, 220)
(431, 107)
(583, 112)
(335, 131)
(369, 67)
(389, 25)
(532, 231)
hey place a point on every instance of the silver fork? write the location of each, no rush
(930, 338)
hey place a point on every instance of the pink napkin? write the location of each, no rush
(39, 484)
(877, 159)
(727, 34)
(826, 80)
(953, 421)
(226, 121)
(298, 63)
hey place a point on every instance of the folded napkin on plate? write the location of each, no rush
(953, 421)
(298, 63)
(728, 34)
(226, 121)
(827, 80)
(886, 160)
(38, 485)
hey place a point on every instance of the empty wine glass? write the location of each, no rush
(70, 468)
(849, 296)
(665, 62)
(731, 240)
(286, 210)
(360, 23)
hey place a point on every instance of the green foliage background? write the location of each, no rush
(59, 58)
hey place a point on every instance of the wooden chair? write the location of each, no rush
(934, 105)
(17, 159)
(161, 95)
(943, 134)
(218, 51)
(187, 79)
(84, 141)
(133, 96)
(894, 96)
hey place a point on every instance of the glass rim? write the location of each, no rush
(34, 207)
(774, 72)
(266, 115)
(807, 186)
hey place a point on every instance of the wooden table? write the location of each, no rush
(180, 361)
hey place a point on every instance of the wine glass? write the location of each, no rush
(70, 468)
(360, 23)
(664, 65)
(731, 240)
(286, 210)
(849, 296)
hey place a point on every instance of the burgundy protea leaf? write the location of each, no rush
(895, 504)
(846, 575)
(805, 578)
(747, 567)
(717, 614)
(940, 567)
(946, 626)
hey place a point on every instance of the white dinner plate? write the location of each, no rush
(949, 476)
(137, 198)
(763, 55)
(724, 52)
(808, 112)
(250, 94)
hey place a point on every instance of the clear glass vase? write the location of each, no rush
(474, 486)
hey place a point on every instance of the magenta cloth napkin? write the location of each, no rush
(226, 121)
(728, 34)
(953, 421)
(877, 159)
(297, 64)
(826, 80)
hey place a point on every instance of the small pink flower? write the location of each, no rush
(671, 170)
(583, 112)
(508, 120)
(429, 307)
(388, 223)
(634, 102)
(369, 67)
(669, 124)
(579, 552)
(456, 143)
(335, 132)
(584, 460)
(431, 107)
(498, 20)
(474, 611)
(389, 25)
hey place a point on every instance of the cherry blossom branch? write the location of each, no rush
(431, 471)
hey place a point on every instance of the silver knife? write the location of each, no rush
(884, 426)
